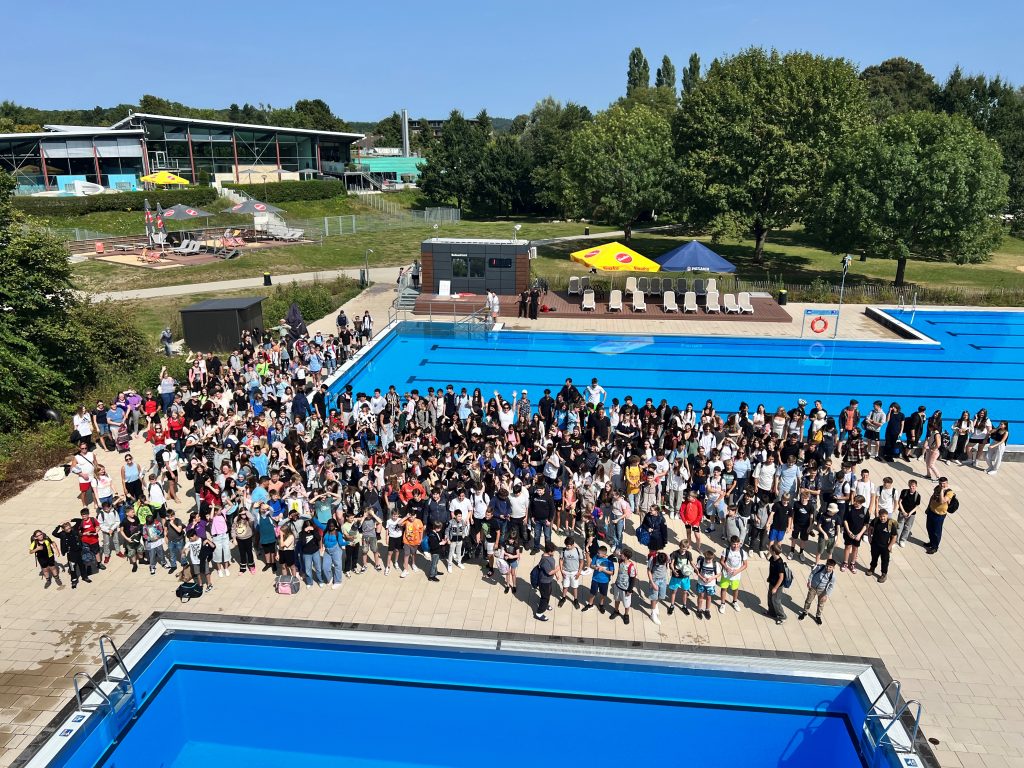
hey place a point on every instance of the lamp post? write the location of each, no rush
(366, 267)
(515, 232)
(842, 288)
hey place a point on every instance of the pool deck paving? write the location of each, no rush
(948, 626)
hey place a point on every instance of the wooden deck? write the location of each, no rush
(559, 304)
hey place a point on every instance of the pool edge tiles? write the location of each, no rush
(861, 677)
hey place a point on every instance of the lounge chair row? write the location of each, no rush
(733, 304)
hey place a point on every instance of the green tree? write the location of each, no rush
(619, 167)
(502, 185)
(661, 100)
(484, 124)
(665, 77)
(691, 75)
(754, 136)
(452, 161)
(389, 130)
(314, 114)
(899, 85)
(638, 75)
(518, 125)
(919, 186)
(546, 138)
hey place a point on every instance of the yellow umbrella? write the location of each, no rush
(614, 257)
(163, 177)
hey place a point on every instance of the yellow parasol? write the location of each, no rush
(163, 177)
(614, 257)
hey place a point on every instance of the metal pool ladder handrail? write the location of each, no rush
(80, 697)
(116, 656)
(894, 715)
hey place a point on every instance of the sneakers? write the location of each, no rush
(335, 585)
(209, 587)
(601, 608)
(721, 607)
(135, 567)
(990, 472)
(901, 543)
(540, 617)
(869, 572)
(735, 606)
(434, 578)
(387, 570)
(414, 568)
(654, 617)
(671, 608)
(404, 574)
(707, 615)
(461, 566)
(882, 578)
(801, 616)
(48, 583)
(584, 609)
(625, 618)
(152, 571)
(817, 620)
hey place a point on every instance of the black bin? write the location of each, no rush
(783, 297)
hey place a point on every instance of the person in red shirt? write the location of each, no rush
(89, 530)
(411, 484)
(691, 512)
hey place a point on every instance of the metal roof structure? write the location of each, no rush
(225, 124)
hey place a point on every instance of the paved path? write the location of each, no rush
(948, 626)
(377, 275)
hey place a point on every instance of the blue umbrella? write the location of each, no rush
(693, 257)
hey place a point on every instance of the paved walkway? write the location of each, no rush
(948, 626)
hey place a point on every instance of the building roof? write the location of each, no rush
(75, 128)
(474, 241)
(75, 132)
(211, 305)
(197, 121)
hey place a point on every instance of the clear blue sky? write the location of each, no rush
(368, 59)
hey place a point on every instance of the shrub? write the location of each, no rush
(118, 201)
(315, 299)
(289, 191)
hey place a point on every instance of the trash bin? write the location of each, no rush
(586, 230)
(364, 278)
(783, 297)
(266, 278)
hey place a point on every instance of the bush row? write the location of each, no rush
(117, 201)
(289, 191)
(315, 300)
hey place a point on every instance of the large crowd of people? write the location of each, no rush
(258, 465)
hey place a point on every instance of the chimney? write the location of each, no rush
(405, 133)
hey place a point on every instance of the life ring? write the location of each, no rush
(819, 325)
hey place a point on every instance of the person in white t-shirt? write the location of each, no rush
(596, 394)
(864, 487)
(734, 563)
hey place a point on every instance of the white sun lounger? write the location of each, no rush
(690, 301)
(574, 286)
(731, 307)
(669, 302)
(712, 305)
(588, 301)
(615, 301)
(744, 302)
(630, 284)
(639, 304)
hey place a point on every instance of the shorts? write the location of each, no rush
(203, 566)
(84, 486)
(976, 440)
(659, 590)
(850, 541)
(410, 549)
(395, 544)
(599, 587)
(623, 596)
(288, 557)
(512, 564)
(707, 589)
(803, 534)
(369, 543)
(871, 434)
(826, 545)
(727, 583)
(693, 527)
(679, 583)
(269, 549)
(844, 435)
(776, 536)
(570, 580)
(489, 547)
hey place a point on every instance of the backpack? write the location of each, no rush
(189, 590)
(425, 544)
(787, 577)
(643, 536)
(535, 576)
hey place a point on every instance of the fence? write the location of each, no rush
(336, 226)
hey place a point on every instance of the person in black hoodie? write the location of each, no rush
(654, 524)
(69, 544)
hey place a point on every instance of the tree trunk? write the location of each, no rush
(901, 272)
(628, 231)
(760, 235)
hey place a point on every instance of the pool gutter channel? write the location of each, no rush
(869, 673)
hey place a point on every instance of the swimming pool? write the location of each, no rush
(231, 692)
(977, 362)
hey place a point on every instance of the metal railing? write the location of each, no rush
(889, 716)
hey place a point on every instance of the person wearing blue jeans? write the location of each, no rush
(332, 550)
(308, 547)
(541, 510)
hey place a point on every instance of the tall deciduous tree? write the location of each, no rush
(691, 75)
(502, 184)
(620, 167)
(638, 75)
(665, 77)
(754, 136)
(899, 85)
(546, 139)
(453, 160)
(919, 185)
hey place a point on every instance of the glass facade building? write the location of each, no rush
(197, 150)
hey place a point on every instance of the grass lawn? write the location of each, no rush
(390, 247)
(791, 258)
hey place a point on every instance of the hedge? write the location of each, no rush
(289, 191)
(117, 201)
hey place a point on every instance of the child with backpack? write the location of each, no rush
(708, 570)
(681, 567)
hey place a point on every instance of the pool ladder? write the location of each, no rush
(879, 720)
(116, 689)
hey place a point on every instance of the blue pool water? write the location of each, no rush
(232, 701)
(978, 362)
